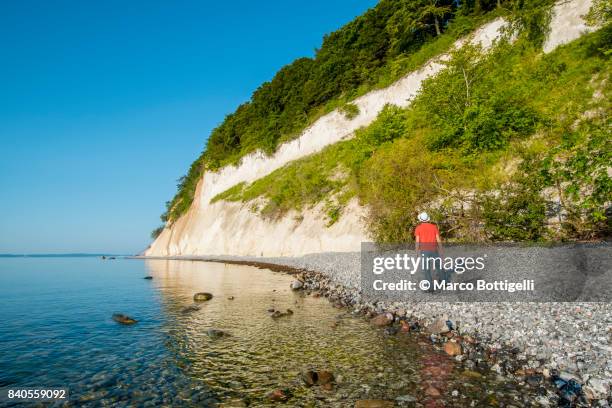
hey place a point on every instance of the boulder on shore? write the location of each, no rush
(383, 319)
(124, 319)
(452, 348)
(202, 296)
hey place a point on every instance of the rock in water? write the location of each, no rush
(190, 308)
(277, 313)
(452, 349)
(383, 319)
(328, 387)
(322, 378)
(374, 403)
(325, 377)
(202, 296)
(216, 333)
(432, 391)
(149, 277)
(310, 378)
(296, 284)
(123, 319)
(278, 395)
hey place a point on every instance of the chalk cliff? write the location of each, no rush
(229, 228)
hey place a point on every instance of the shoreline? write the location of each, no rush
(541, 344)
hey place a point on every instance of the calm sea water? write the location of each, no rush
(57, 331)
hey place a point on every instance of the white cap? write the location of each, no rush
(423, 217)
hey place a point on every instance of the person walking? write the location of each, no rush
(428, 246)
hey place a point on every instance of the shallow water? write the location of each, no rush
(57, 331)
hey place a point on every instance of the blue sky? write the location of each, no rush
(103, 105)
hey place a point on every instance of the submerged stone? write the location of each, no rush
(216, 333)
(190, 308)
(325, 377)
(278, 395)
(202, 296)
(310, 378)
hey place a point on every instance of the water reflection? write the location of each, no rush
(264, 354)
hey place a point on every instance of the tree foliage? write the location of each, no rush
(465, 111)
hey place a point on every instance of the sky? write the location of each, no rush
(104, 105)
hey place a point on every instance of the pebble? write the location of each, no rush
(438, 326)
(296, 284)
(452, 348)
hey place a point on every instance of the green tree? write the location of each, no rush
(433, 9)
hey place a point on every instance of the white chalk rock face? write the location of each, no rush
(567, 23)
(225, 228)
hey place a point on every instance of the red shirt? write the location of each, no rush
(426, 232)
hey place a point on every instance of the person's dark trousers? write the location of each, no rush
(430, 260)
